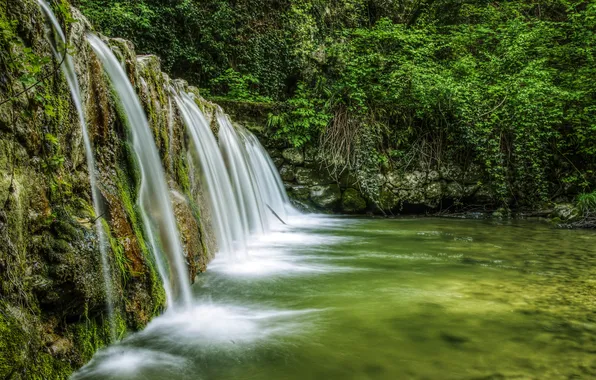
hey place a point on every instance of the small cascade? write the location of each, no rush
(154, 201)
(244, 180)
(268, 180)
(228, 221)
(59, 47)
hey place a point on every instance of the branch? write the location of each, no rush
(38, 82)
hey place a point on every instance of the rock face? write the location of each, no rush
(312, 188)
(352, 201)
(326, 197)
(52, 299)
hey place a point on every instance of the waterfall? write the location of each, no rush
(228, 222)
(245, 191)
(249, 198)
(268, 180)
(154, 201)
(59, 48)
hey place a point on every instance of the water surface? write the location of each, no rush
(338, 298)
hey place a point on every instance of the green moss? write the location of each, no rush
(352, 201)
(117, 250)
(182, 176)
(13, 343)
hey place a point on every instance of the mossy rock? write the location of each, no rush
(301, 193)
(352, 202)
(13, 344)
(308, 176)
(287, 173)
(326, 197)
(293, 156)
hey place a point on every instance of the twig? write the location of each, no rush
(277, 216)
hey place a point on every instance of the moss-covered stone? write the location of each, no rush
(287, 173)
(326, 197)
(352, 201)
(309, 176)
(293, 155)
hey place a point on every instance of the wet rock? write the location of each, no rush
(433, 194)
(309, 176)
(293, 156)
(301, 193)
(352, 201)
(566, 212)
(347, 179)
(454, 190)
(326, 197)
(388, 200)
(278, 161)
(287, 173)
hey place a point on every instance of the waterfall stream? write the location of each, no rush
(60, 48)
(154, 200)
(229, 229)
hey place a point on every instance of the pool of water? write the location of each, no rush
(339, 298)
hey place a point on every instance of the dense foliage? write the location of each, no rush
(506, 86)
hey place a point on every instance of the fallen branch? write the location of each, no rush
(277, 216)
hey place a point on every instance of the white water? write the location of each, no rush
(249, 198)
(269, 182)
(59, 47)
(246, 193)
(229, 230)
(154, 201)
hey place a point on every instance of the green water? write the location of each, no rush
(383, 299)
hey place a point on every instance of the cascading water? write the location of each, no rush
(59, 48)
(229, 230)
(244, 181)
(154, 200)
(268, 180)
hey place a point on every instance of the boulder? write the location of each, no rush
(301, 193)
(388, 200)
(309, 176)
(278, 161)
(566, 212)
(293, 155)
(287, 173)
(325, 197)
(352, 201)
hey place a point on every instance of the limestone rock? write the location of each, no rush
(352, 201)
(566, 212)
(293, 156)
(301, 193)
(326, 197)
(278, 161)
(287, 173)
(308, 176)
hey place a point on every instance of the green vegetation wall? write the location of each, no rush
(507, 86)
